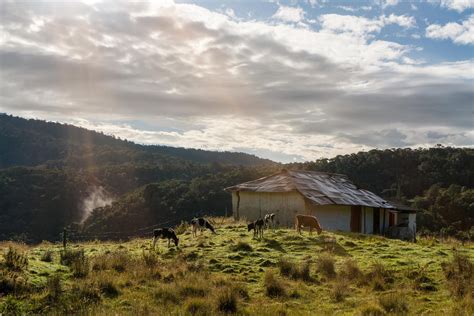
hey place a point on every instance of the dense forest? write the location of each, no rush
(55, 175)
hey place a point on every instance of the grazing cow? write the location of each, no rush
(202, 224)
(165, 233)
(257, 227)
(307, 221)
(269, 220)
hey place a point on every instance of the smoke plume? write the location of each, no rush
(98, 197)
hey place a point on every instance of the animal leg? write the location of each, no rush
(154, 242)
(168, 242)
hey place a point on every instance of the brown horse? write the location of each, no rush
(307, 221)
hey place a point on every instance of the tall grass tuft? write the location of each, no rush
(47, 256)
(350, 270)
(226, 301)
(54, 288)
(459, 274)
(326, 265)
(273, 287)
(15, 260)
(394, 303)
(293, 270)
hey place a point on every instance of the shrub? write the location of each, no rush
(15, 260)
(85, 293)
(325, 265)
(274, 288)
(394, 303)
(67, 256)
(378, 276)
(197, 306)
(226, 301)
(339, 290)
(459, 275)
(372, 310)
(47, 256)
(150, 259)
(80, 266)
(54, 287)
(293, 270)
(350, 270)
(11, 306)
(12, 282)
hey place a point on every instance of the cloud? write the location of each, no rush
(362, 26)
(457, 5)
(459, 33)
(182, 75)
(289, 14)
(388, 3)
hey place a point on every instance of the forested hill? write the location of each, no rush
(30, 142)
(52, 175)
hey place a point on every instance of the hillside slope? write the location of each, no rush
(283, 274)
(35, 142)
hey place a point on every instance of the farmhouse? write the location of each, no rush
(332, 198)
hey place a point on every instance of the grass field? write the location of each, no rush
(284, 273)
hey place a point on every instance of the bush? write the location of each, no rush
(226, 301)
(80, 266)
(150, 259)
(350, 270)
(274, 288)
(54, 288)
(67, 256)
(339, 290)
(12, 282)
(394, 303)
(459, 275)
(325, 265)
(293, 270)
(47, 256)
(378, 276)
(15, 260)
(197, 306)
(372, 310)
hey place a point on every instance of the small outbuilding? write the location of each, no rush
(337, 202)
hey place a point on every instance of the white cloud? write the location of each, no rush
(459, 33)
(188, 76)
(457, 5)
(289, 14)
(402, 20)
(362, 26)
(388, 3)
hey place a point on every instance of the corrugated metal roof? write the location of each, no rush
(319, 187)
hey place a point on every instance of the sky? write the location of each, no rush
(284, 80)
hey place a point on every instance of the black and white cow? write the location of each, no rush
(269, 220)
(257, 227)
(165, 233)
(202, 224)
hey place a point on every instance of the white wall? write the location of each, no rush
(368, 213)
(254, 205)
(331, 217)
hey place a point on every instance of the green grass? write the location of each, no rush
(231, 272)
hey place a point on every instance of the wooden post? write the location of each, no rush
(64, 238)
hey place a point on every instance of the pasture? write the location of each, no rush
(230, 272)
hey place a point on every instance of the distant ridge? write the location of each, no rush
(32, 142)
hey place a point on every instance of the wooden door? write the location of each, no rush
(356, 211)
(376, 228)
(391, 219)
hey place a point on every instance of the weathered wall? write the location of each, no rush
(331, 217)
(367, 220)
(254, 205)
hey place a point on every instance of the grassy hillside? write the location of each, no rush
(284, 273)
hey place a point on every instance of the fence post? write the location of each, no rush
(64, 238)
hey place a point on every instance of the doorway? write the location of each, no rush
(376, 227)
(356, 211)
